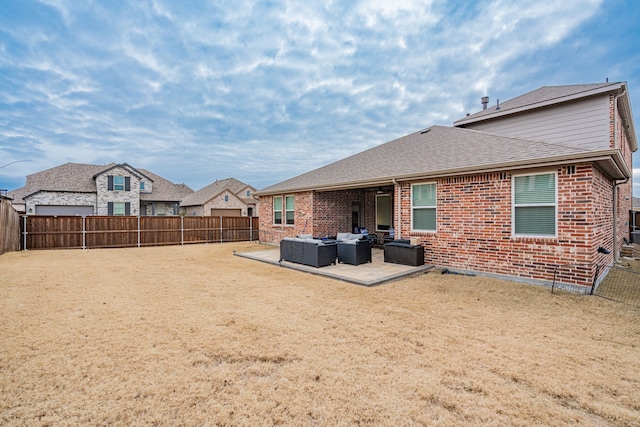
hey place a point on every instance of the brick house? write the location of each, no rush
(226, 197)
(113, 189)
(539, 180)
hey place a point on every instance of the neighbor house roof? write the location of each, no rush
(554, 95)
(212, 190)
(543, 96)
(164, 190)
(72, 177)
(80, 178)
(18, 195)
(444, 151)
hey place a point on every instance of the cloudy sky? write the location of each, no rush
(262, 91)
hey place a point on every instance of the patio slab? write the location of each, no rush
(370, 274)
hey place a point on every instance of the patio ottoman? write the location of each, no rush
(403, 252)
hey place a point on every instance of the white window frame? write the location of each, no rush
(434, 207)
(273, 206)
(285, 210)
(514, 206)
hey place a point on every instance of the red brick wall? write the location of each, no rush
(331, 214)
(303, 223)
(474, 226)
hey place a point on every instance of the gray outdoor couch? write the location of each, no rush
(308, 251)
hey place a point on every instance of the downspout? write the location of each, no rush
(616, 258)
(397, 202)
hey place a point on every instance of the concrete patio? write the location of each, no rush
(370, 274)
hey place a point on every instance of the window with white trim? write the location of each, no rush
(423, 207)
(289, 210)
(277, 210)
(535, 205)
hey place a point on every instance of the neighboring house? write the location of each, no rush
(543, 179)
(113, 189)
(227, 197)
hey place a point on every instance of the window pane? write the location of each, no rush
(118, 183)
(383, 212)
(289, 217)
(277, 217)
(424, 219)
(277, 203)
(534, 189)
(118, 208)
(535, 220)
(424, 195)
(289, 203)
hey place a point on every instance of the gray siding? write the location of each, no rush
(584, 123)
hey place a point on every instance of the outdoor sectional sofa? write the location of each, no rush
(308, 251)
(401, 251)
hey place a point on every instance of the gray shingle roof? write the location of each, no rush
(207, 193)
(436, 151)
(540, 97)
(73, 177)
(79, 178)
(164, 190)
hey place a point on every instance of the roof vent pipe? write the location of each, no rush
(485, 102)
(497, 104)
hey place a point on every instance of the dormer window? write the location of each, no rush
(141, 185)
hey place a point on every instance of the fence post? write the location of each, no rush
(138, 230)
(24, 233)
(182, 230)
(250, 229)
(221, 239)
(84, 232)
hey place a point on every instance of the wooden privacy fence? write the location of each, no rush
(9, 227)
(76, 232)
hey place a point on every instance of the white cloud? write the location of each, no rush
(247, 88)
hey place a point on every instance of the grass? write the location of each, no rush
(195, 336)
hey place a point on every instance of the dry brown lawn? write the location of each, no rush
(193, 335)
